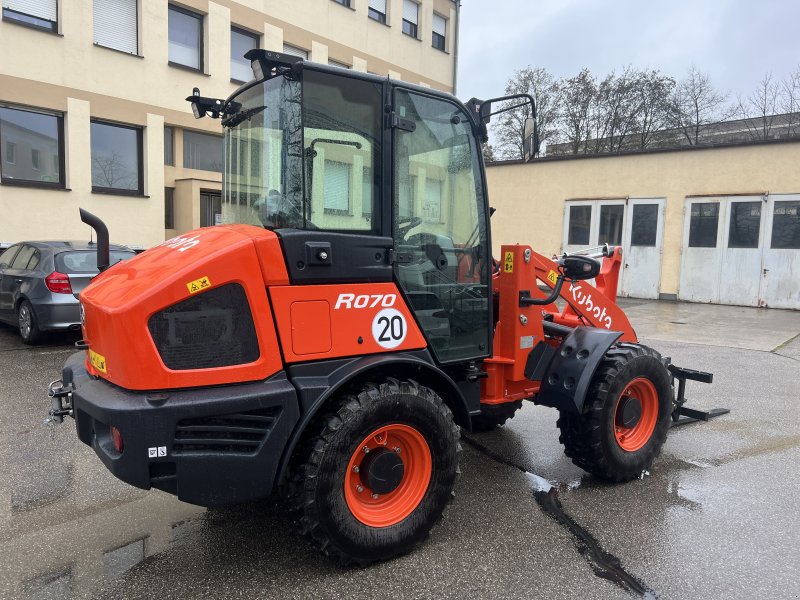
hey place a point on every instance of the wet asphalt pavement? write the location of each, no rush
(717, 517)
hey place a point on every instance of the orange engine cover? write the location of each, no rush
(120, 302)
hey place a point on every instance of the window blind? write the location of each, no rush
(295, 51)
(44, 9)
(115, 25)
(410, 11)
(439, 25)
(337, 186)
(379, 5)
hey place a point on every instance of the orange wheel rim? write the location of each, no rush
(632, 438)
(383, 510)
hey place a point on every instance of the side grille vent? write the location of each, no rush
(239, 433)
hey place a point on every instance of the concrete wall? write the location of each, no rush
(529, 198)
(68, 73)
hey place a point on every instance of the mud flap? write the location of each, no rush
(569, 369)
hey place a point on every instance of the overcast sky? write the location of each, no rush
(736, 41)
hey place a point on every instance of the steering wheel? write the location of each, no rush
(406, 224)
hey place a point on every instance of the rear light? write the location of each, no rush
(116, 437)
(58, 283)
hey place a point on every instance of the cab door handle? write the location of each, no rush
(19, 280)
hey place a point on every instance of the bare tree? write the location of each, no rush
(696, 104)
(488, 153)
(578, 97)
(109, 171)
(790, 101)
(654, 90)
(616, 110)
(510, 126)
(759, 108)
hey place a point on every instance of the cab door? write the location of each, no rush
(439, 223)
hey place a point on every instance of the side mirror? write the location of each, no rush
(530, 141)
(580, 267)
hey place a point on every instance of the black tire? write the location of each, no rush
(589, 438)
(28, 327)
(316, 489)
(494, 415)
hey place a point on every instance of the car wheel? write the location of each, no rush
(28, 327)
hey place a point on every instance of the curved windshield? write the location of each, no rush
(305, 157)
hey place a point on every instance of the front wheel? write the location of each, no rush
(626, 415)
(375, 474)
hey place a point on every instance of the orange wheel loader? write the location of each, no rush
(329, 338)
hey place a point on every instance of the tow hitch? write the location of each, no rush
(683, 415)
(60, 402)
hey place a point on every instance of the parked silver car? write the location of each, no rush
(40, 283)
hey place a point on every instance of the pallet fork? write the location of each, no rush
(683, 415)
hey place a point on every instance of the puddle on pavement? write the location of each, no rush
(603, 564)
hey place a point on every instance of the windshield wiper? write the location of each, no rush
(238, 117)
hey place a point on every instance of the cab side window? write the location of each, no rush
(8, 256)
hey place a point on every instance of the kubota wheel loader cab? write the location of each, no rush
(324, 337)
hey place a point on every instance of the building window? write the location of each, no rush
(432, 209)
(42, 14)
(202, 151)
(745, 224)
(377, 10)
(611, 216)
(410, 17)
(336, 63)
(185, 38)
(580, 218)
(644, 225)
(295, 51)
(366, 192)
(241, 42)
(786, 225)
(169, 146)
(169, 208)
(336, 191)
(116, 158)
(343, 2)
(439, 33)
(38, 135)
(116, 25)
(703, 224)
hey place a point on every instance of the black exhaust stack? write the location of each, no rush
(103, 257)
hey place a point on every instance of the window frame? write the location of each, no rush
(208, 134)
(202, 38)
(246, 33)
(139, 156)
(345, 3)
(61, 183)
(169, 207)
(376, 15)
(51, 28)
(412, 27)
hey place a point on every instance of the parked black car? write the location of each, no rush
(40, 283)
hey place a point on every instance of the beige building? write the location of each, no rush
(92, 109)
(717, 225)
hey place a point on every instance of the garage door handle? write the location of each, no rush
(766, 271)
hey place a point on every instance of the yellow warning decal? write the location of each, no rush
(552, 277)
(198, 285)
(508, 262)
(98, 361)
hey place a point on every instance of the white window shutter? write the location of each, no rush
(336, 192)
(44, 9)
(295, 51)
(439, 25)
(410, 11)
(115, 25)
(379, 5)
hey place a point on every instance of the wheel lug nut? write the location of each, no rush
(356, 469)
(360, 488)
(366, 449)
(374, 496)
(397, 449)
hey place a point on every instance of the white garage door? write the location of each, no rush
(636, 224)
(742, 250)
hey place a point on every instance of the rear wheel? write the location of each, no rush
(375, 474)
(28, 327)
(493, 415)
(626, 415)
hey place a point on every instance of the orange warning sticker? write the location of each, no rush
(552, 277)
(198, 285)
(98, 361)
